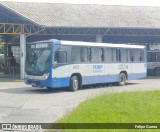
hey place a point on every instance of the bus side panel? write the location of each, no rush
(60, 76)
(96, 73)
(90, 73)
(138, 71)
(100, 73)
(113, 70)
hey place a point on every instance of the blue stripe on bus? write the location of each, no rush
(136, 76)
(60, 82)
(63, 82)
(111, 78)
(99, 79)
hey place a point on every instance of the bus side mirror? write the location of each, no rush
(54, 62)
(55, 59)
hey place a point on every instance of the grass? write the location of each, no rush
(128, 107)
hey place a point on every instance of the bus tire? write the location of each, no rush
(122, 79)
(49, 88)
(74, 83)
(157, 71)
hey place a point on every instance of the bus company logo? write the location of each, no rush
(6, 127)
(97, 68)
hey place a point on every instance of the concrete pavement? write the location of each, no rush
(20, 103)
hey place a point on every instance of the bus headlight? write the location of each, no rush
(45, 76)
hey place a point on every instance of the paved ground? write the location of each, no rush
(20, 103)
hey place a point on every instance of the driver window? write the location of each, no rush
(61, 57)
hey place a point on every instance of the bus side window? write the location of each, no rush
(128, 55)
(108, 55)
(102, 55)
(132, 58)
(137, 55)
(75, 54)
(123, 55)
(118, 55)
(96, 55)
(79, 54)
(131, 55)
(83, 52)
(114, 55)
(142, 58)
(89, 54)
(61, 57)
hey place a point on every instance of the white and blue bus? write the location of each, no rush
(153, 62)
(55, 63)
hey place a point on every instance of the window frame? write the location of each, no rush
(142, 57)
(90, 55)
(79, 55)
(57, 57)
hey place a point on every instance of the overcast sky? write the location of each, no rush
(104, 2)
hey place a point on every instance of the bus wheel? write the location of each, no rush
(122, 79)
(74, 83)
(49, 88)
(157, 71)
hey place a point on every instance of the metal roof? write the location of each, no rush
(90, 16)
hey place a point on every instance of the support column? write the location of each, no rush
(22, 54)
(5, 54)
(98, 38)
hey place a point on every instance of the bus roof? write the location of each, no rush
(92, 44)
(78, 43)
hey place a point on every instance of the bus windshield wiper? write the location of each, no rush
(39, 54)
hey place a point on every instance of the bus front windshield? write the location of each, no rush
(37, 61)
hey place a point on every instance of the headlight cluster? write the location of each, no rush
(45, 76)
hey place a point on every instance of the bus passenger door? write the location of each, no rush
(61, 67)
